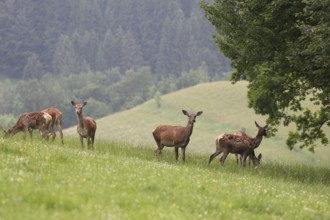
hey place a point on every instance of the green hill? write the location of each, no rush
(224, 107)
(40, 180)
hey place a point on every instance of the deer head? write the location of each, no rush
(261, 130)
(191, 116)
(256, 160)
(6, 133)
(78, 107)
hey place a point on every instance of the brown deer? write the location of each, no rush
(243, 145)
(56, 120)
(86, 127)
(175, 136)
(29, 121)
(252, 157)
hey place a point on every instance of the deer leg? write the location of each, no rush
(159, 149)
(176, 150)
(44, 132)
(214, 155)
(59, 127)
(31, 132)
(244, 159)
(223, 158)
(52, 130)
(82, 141)
(88, 142)
(93, 142)
(25, 130)
(259, 158)
(236, 158)
(241, 159)
(183, 154)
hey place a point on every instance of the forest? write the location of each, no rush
(113, 54)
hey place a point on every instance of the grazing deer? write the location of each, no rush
(56, 120)
(175, 136)
(29, 121)
(243, 145)
(86, 127)
(255, 160)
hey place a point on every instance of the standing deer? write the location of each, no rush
(252, 156)
(29, 121)
(243, 145)
(86, 127)
(56, 120)
(175, 136)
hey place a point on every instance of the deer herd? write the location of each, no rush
(46, 119)
(239, 143)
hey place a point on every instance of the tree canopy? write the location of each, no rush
(115, 54)
(283, 49)
(68, 37)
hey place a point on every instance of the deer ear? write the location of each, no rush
(257, 124)
(73, 103)
(85, 103)
(199, 113)
(6, 132)
(184, 112)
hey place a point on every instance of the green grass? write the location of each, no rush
(122, 181)
(224, 107)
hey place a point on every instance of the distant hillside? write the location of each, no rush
(224, 107)
(66, 37)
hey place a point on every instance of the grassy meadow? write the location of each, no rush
(42, 180)
(123, 179)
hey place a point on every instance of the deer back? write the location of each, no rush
(235, 144)
(37, 120)
(169, 134)
(217, 141)
(55, 113)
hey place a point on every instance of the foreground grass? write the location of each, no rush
(117, 181)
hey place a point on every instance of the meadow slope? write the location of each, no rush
(42, 180)
(225, 110)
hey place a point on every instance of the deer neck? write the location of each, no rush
(256, 141)
(15, 129)
(80, 120)
(188, 131)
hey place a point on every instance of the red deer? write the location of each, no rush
(86, 127)
(252, 156)
(175, 136)
(29, 121)
(243, 145)
(56, 120)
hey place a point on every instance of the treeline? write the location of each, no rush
(113, 54)
(70, 37)
(106, 92)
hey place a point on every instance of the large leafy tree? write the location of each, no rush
(283, 49)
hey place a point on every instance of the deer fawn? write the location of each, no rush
(29, 121)
(175, 136)
(243, 145)
(255, 160)
(56, 120)
(86, 127)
